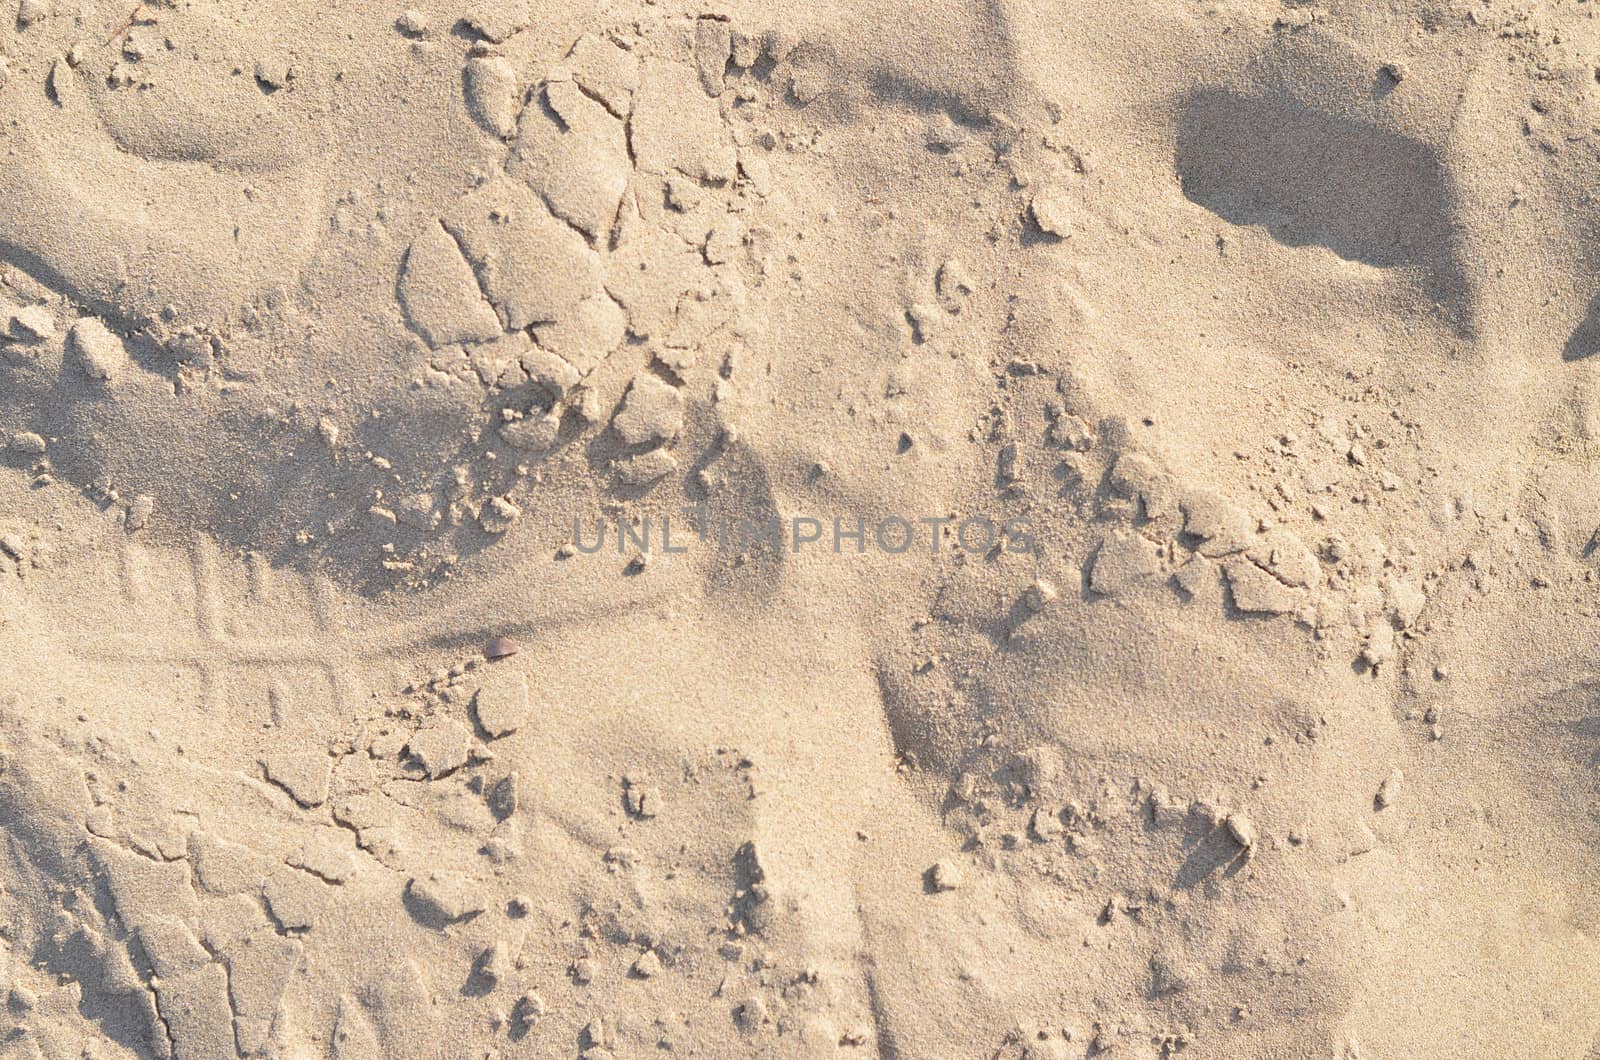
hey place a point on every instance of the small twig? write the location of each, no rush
(126, 25)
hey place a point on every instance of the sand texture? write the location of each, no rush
(919, 529)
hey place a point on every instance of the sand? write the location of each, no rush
(966, 528)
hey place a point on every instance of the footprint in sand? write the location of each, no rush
(148, 175)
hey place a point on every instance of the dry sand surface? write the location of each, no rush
(865, 528)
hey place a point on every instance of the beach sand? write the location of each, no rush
(961, 528)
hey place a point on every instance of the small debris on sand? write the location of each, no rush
(527, 1012)
(100, 353)
(441, 747)
(498, 516)
(606, 70)
(646, 468)
(1389, 790)
(492, 94)
(642, 799)
(28, 443)
(500, 648)
(652, 411)
(413, 23)
(1053, 212)
(1125, 560)
(139, 511)
(505, 796)
(1040, 595)
(1045, 825)
(446, 896)
(1222, 527)
(496, 963)
(1379, 645)
(304, 775)
(925, 320)
(944, 876)
(273, 74)
(497, 21)
(1254, 591)
(1406, 600)
(532, 267)
(713, 46)
(501, 703)
(953, 286)
(31, 12)
(1242, 831)
(419, 510)
(440, 294)
(31, 324)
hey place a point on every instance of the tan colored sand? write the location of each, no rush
(332, 335)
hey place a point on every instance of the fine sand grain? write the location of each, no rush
(907, 528)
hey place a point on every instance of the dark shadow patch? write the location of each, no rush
(481, 981)
(429, 915)
(1315, 179)
(1212, 853)
(1585, 339)
(895, 87)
